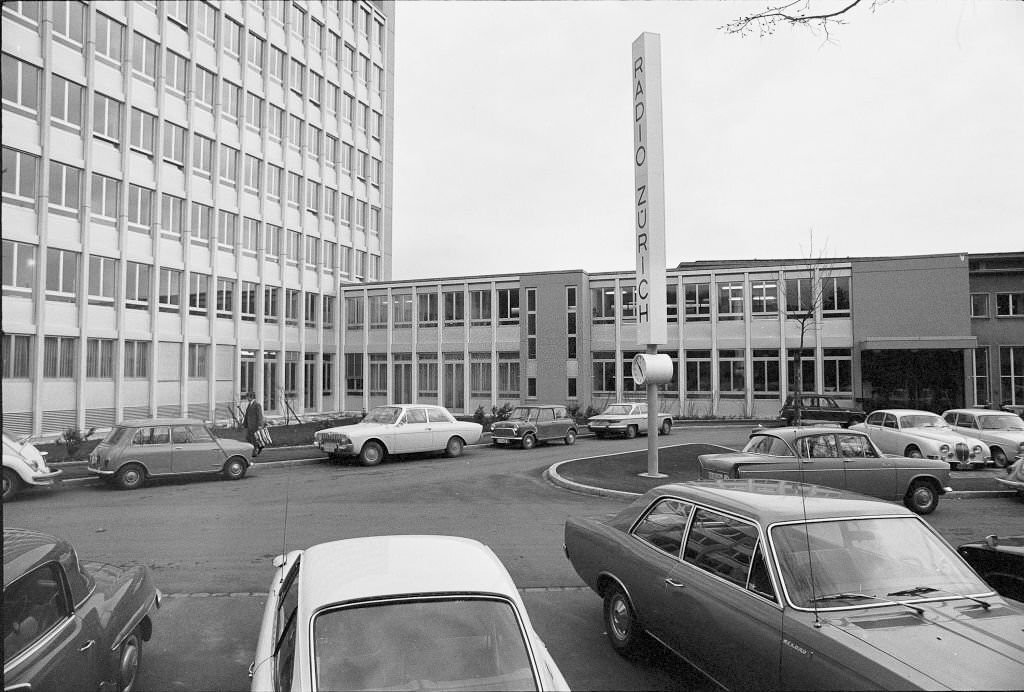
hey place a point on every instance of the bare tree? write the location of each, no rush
(794, 13)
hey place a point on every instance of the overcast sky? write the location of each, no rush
(513, 139)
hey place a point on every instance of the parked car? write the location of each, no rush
(922, 434)
(628, 419)
(528, 425)
(999, 561)
(71, 625)
(24, 465)
(398, 429)
(1014, 478)
(398, 613)
(818, 408)
(134, 451)
(772, 584)
(1003, 432)
(844, 459)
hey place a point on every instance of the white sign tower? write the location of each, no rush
(650, 368)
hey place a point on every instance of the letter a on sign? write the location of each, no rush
(649, 192)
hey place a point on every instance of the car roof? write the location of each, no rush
(791, 432)
(977, 411)
(24, 550)
(904, 411)
(147, 422)
(769, 501)
(357, 569)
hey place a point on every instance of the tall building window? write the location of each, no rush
(143, 127)
(354, 312)
(136, 359)
(205, 19)
(1010, 304)
(764, 298)
(274, 176)
(291, 306)
(628, 304)
(106, 121)
(272, 242)
(805, 365)
(480, 307)
(401, 310)
(140, 208)
(603, 363)
(228, 165)
(174, 144)
(172, 217)
(250, 235)
(99, 358)
(296, 76)
(354, 373)
(378, 374)
(248, 301)
(454, 308)
(205, 88)
(698, 302)
(508, 306)
(294, 248)
(312, 251)
(198, 293)
(294, 190)
(17, 356)
(328, 311)
(106, 196)
(169, 290)
(980, 376)
(508, 374)
(109, 37)
(227, 228)
(275, 123)
(480, 374)
(176, 72)
(730, 300)
(426, 311)
(136, 289)
(838, 370)
(253, 111)
(698, 371)
(765, 375)
(233, 38)
(177, 11)
(426, 371)
(61, 274)
(198, 357)
(312, 309)
(202, 155)
(979, 305)
(60, 354)
(144, 56)
(570, 321)
(20, 175)
(20, 85)
(254, 52)
(277, 60)
(65, 187)
(271, 310)
(313, 197)
(531, 323)
(378, 309)
(69, 21)
(602, 301)
(225, 298)
(799, 298)
(1011, 374)
(672, 302)
(253, 174)
(835, 296)
(102, 279)
(230, 101)
(19, 265)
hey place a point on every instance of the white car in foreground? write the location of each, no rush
(398, 613)
(24, 465)
(923, 435)
(399, 429)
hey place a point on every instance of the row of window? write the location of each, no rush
(802, 296)
(1008, 304)
(735, 375)
(482, 371)
(431, 305)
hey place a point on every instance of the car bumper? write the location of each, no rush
(615, 428)
(43, 477)
(335, 448)
(103, 473)
(506, 439)
(1011, 483)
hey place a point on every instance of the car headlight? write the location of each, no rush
(34, 463)
(976, 452)
(944, 450)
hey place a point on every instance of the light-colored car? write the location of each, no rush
(1014, 478)
(834, 457)
(136, 450)
(628, 419)
(398, 613)
(24, 465)
(922, 434)
(399, 429)
(778, 585)
(1003, 432)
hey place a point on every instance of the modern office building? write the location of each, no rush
(924, 332)
(186, 187)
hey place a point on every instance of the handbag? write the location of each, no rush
(263, 437)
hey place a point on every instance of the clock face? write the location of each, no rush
(639, 369)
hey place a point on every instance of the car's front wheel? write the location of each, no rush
(234, 469)
(666, 426)
(630, 432)
(128, 662)
(570, 437)
(620, 622)
(371, 454)
(454, 447)
(12, 484)
(922, 497)
(529, 441)
(130, 477)
(999, 458)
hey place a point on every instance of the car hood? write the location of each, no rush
(1011, 437)
(613, 417)
(510, 422)
(942, 435)
(360, 429)
(957, 643)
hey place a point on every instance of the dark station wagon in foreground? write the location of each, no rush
(773, 584)
(845, 459)
(71, 625)
(528, 425)
(1000, 562)
(139, 449)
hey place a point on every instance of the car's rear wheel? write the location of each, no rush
(529, 441)
(630, 432)
(570, 437)
(922, 497)
(235, 468)
(666, 426)
(130, 477)
(620, 622)
(129, 658)
(454, 447)
(371, 454)
(913, 452)
(999, 458)
(12, 484)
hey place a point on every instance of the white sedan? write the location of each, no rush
(922, 434)
(399, 429)
(398, 613)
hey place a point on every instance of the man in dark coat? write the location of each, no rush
(253, 421)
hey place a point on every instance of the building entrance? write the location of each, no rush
(932, 380)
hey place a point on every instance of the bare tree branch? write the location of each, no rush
(795, 13)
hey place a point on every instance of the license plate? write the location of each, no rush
(501, 441)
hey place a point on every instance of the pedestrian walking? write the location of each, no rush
(254, 421)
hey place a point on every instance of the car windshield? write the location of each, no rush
(523, 413)
(922, 420)
(878, 558)
(116, 434)
(383, 414)
(617, 410)
(1001, 422)
(460, 643)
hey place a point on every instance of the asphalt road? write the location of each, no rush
(210, 545)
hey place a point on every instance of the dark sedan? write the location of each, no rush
(838, 458)
(1000, 562)
(70, 625)
(772, 584)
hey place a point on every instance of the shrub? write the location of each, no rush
(591, 412)
(72, 439)
(501, 413)
(480, 415)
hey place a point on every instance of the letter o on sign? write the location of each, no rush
(652, 368)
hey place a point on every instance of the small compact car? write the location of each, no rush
(922, 434)
(136, 450)
(71, 625)
(1000, 562)
(1003, 432)
(398, 613)
(818, 408)
(627, 419)
(763, 584)
(1014, 477)
(398, 429)
(24, 466)
(528, 425)
(845, 459)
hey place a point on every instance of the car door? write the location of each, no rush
(881, 428)
(412, 433)
(441, 427)
(818, 461)
(866, 471)
(194, 450)
(46, 644)
(546, 424)
(151, 445)
(724, 583)
(639, 413)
